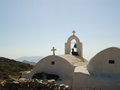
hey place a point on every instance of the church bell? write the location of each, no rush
(75, 46)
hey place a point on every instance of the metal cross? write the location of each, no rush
(53, 49)
(73, 32)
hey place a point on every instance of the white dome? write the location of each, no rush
(61, 65)
(107, 61)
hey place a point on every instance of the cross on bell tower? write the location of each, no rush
(73, 32)
(53, 50)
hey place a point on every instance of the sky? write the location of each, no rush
(33, 27)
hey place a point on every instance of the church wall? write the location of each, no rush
(80, 81)
(83, 81)
(67, 48)
(61, 67)
(107, 61)
(80, 49)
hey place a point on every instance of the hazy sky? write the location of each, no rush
(33, 27)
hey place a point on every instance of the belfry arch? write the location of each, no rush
(78, 46)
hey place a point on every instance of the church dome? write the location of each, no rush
(62, 65)
(107, 61)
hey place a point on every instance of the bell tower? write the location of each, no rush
(78, 46)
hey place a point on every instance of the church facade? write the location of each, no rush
(102, 72)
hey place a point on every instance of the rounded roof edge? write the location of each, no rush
(101, 61)
(105, 50)
(73, 37)
(69, 58)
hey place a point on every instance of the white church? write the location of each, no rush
(102, 72)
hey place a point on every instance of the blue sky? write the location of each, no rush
(33, 27)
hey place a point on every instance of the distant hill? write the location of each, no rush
(28, 62)
(12, 67)
(30, 59)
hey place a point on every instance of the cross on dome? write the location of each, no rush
(53, 50)
(73, 32)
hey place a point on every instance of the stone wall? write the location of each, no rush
(33, 84)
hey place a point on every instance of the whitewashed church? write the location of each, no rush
(102, 72)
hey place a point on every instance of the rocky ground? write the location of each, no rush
(34, 84)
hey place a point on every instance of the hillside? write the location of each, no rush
(12, 67)
(29, 62)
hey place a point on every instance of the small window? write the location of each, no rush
(52, 63)
(111, 62)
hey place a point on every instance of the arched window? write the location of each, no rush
(74, 47)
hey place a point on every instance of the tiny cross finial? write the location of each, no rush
(53, 49)
(73, 32)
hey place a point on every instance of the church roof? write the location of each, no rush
(106, 61)
(74, 60)
(81, 69)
